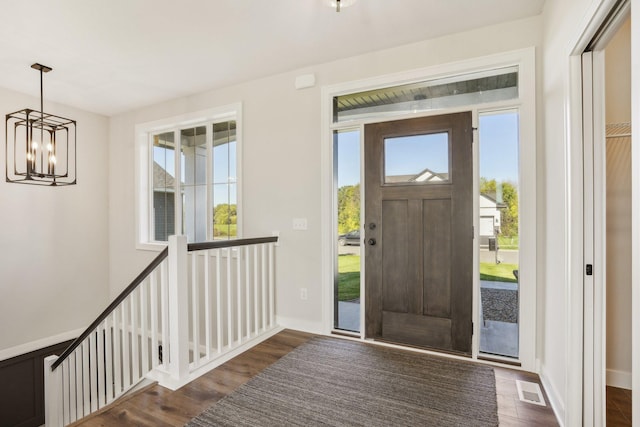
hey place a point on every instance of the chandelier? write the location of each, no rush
(339, 4)
(40, 147)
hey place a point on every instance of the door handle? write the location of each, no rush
(372, 242)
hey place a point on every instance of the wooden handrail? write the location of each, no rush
(125, 293)
(143, 275)
(217, 244)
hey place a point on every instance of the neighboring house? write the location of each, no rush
(489, 218)
(163, 203)
(426, 175)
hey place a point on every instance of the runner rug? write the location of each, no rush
(337, 382)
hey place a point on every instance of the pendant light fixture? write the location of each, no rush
(40, 147)
(340, 4)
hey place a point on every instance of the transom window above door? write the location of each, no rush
(480, 87)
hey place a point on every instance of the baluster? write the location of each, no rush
(218, 302)
(73, 400)
(108, 358)
(195, 301)
(100, 361)
(66, 410)
(77, 360)
(126, 367)
(154, 319)
(164, 300)
(86, 378)
(207, 304)
(135, 353)
(247, 284)
(256, 317)
(93, 372)
(238, 287)
(272, 292)
(229, 301)
(144, 339)
(117, 353)
(265, 298)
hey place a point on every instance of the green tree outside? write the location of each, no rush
(509, 227)
(348, 208)
(225, 220)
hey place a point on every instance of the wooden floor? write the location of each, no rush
(158, 406)
(618, 407)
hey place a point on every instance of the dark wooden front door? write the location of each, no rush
(419, 232)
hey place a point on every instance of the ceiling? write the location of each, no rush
(111, 56)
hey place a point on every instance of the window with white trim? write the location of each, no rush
(191, 174)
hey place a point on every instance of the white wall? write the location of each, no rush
(618, 110)
(564, 23)
(281, 168)
(53, 241)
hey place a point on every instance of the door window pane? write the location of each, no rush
(499, 234)
(347, 276)
(420, 159)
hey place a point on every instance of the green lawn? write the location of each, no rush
(506, 242)
(348, 277)
(497, 272)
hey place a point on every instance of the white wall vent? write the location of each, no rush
(530, 392)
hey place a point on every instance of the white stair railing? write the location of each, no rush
(193, 305)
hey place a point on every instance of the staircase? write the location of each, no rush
(194, 307)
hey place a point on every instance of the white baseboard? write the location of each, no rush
(25, 348)
(300, 325)
(555, 400)
(620, 379)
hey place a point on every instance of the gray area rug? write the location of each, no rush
(336, 382)
(499, 304)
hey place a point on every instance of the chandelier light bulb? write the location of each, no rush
(52, 159)
(34, 145)
(49, 147)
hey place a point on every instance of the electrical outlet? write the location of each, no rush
(299, 223)
(303, 293)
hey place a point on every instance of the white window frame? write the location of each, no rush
(526, 105)
(144, 161)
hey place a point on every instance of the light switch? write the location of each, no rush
(299, 223)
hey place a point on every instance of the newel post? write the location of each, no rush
(178, 308)
(52, 393)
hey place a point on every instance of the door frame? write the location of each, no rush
(586, 223)
(525, 59)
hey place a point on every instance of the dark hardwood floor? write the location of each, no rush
(158, 406)
(618, 407)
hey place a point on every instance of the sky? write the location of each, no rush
(498, 136)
